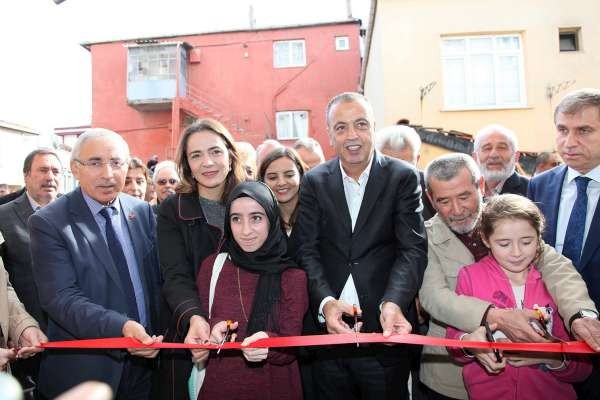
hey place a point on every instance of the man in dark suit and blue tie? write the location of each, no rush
(568, 197)
(96, 268)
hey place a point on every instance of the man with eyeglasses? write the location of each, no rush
(165, 180)
(364, 250)
(96, 268)
(42, 171)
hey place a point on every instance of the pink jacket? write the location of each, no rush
(486, 280)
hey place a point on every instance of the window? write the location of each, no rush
(342, 43)
(291, 124)
(152, 63)
(483, 72)
(289, 53)
(568, 39)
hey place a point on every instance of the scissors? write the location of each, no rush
(355, 327)
(490, 338)
(539, 325)
(227, 336)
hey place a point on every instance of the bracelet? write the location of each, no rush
(464, 350)
(562, 365)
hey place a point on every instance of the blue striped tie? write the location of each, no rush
(118, 255)
(573, 244)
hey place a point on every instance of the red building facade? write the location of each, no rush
(271, 83)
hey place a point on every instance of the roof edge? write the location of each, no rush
(87, 45)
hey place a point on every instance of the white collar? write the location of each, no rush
(594, 174)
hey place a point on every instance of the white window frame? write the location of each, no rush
(289, 129)
(159, 62)
(290, 61)
(342, 43)
(466, 56)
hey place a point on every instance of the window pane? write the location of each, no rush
(300, 124)
(298, 53)
(283, 125)
(281, 54)
(509, 85)
(482, 80)
(454, 82)
(568, 41)
(507, 43)
(453, 46)
(480, 44)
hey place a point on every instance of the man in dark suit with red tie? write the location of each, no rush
(363, 245)
(568, 197)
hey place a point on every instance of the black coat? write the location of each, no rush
(185, 239)
(387, 251)
(516, 184)
(17, 257)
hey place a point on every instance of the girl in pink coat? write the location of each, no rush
(511, 227)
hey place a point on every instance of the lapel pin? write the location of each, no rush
(131, 216)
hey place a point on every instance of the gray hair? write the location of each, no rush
(95, 133)
(495, 128)
(167, 164)
(575, 101)
(397, 137)
(348, 97)
(311, 145)
(448, 166)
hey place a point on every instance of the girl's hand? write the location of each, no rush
(6, 355)
(198, 333)
(486, 357)
(220, 329)
(255, 355)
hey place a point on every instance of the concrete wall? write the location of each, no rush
(236, 71)
(406, 55)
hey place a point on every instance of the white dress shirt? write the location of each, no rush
(567, 200)
(34, 204)
(354, 191)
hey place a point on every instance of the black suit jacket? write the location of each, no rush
(516, 184)
(17, 257)
(387, 251)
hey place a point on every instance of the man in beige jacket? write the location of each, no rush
(453, 188)
(16, 325)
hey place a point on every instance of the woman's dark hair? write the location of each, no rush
(276, 155)
(236, 174)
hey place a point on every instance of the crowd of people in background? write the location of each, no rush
(231, 243)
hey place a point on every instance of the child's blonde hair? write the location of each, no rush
(511, 206)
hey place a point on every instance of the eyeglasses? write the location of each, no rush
(97, 164)
(163, 182)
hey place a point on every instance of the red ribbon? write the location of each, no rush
(326, 340)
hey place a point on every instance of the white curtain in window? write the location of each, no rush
(482, 80)
(509, 84)
(298, 53)
(283, 124)
(300, 121)
(454, 80)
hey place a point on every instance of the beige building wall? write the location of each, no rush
(405, 54)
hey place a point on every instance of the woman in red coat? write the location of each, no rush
(263, 292)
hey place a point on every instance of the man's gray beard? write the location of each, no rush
(497, 176)
(465, 230)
